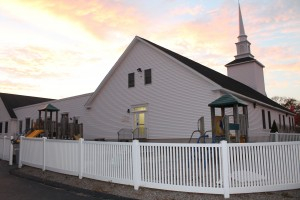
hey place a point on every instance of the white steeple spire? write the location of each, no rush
(243, 45)
(241, 24)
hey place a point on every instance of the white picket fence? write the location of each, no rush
(6, 149)
(201, 168)
(284, 137)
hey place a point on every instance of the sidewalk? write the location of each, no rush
(117, 191)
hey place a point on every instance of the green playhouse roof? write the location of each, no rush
(227, 100)
(49, 107)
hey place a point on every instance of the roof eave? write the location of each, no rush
(257, 101)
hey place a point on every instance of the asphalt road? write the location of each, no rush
(15, 188)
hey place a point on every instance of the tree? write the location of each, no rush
(291, 104)
(274, 128)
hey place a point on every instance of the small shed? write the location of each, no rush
(229, 101)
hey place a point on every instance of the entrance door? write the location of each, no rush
(139, 125)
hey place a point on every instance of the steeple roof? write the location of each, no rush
(241, 24)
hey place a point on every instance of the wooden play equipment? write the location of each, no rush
(221, 125)
(51, 129)
(54, 129)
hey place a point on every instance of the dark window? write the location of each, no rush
(148, 78)
(131, 80)
(290, 125)
(293, 125)
(6, 127)
(269, 118)
(279, 121)
(263, 119)
(0, 127)
(283, 119)
(20, 126)
(27, 124)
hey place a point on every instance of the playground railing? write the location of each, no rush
(223, 168)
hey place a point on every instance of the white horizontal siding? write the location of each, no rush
(176, 98)
(72, 105)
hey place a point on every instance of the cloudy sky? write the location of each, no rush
(62, 48)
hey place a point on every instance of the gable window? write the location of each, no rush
(148, 77)
(263, 118)
(269, 118)
(6, 127)
(130, 80)
(0, 127)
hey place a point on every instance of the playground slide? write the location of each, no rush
(35, 133)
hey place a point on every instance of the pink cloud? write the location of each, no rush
(101, 18)
(187, 10)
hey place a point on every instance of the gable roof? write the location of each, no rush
(12, 101)
(222, 80)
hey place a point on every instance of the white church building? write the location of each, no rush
(163, 94)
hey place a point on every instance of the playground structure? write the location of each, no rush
(222, 126)
(47, 127)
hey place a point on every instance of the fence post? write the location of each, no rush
(136, 164)
(11, 151)
(81, 159)
(20, 152)
(225, 165)
(44, 153)
(276, 136)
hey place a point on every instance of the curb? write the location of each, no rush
(66, 187)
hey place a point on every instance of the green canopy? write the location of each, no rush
(227, 100)
(49, 107)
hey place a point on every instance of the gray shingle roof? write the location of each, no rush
(220, 79)
(12, 101)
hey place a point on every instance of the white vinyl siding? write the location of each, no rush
(72, 105)
(176, 98)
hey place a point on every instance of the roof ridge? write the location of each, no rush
(219, 78)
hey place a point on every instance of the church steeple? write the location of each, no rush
(243, 45)
(245, 68)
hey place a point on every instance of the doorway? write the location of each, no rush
(139, 122)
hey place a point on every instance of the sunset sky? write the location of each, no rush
(62, 48)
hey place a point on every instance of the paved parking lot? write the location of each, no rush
(15, 188)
